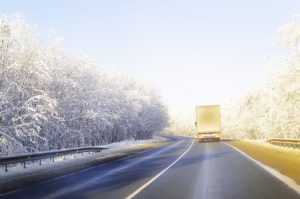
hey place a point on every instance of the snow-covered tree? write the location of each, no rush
(272, 111)
(52, 99)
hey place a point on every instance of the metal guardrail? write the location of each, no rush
(5, 161)
(285, 142)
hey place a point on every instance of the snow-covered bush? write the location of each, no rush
(52, 99)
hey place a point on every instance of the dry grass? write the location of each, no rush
(287, 163)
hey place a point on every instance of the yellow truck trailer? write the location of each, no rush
(208, 122)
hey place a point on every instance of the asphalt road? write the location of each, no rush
(181, 169)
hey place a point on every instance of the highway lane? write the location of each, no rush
(180, 169)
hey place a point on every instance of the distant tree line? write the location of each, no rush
(53, 99)
(181, 127)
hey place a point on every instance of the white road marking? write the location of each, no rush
(285, 179)
(133, 194)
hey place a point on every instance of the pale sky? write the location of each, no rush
(194, 52)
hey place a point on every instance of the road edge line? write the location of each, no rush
(141, 188)
(283, 178)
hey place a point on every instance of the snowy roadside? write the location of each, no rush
(18, 177)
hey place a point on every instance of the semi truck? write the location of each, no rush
(208, 123)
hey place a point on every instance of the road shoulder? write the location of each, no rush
(282, 164)
(26, 177)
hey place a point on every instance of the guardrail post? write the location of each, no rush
(285, 142)
(32, 158)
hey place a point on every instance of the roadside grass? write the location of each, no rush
(285, 161)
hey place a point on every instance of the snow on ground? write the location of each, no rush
(48, 167)
(133, 143)
(262, 142)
